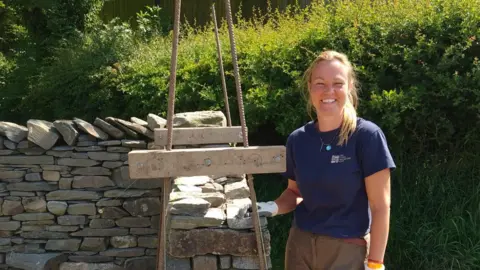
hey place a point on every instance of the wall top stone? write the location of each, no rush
(42, 135)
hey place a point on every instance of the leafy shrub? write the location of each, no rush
(419, 57)
(5, 68)
(418, 65)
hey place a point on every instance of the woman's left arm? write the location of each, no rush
(378, 192)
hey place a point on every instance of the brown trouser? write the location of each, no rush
(308, 251)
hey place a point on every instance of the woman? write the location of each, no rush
(338, 170)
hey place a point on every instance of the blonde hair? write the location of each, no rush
(349, 123)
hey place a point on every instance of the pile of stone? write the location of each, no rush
(213, 212)
(67, 201)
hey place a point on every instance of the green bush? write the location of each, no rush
(6, 67)
(415, 59)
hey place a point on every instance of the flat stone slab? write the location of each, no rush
(6, 152)
(215, 199)
(90, 259)
(109, 129)
(123, 252)
(101, 232)
(110, 143)
(127, 131)
(31, 186)
(143, 207)
(101, 223)
(42, 133)
(214, 217)
(53, 176)
(190, 189)
(204, 262)
(199, 119)
(26, 160)
(44, 235)
(34, 204)
(126, 241)
(154, 121)
(249, 262)
(60, 228)
(12, 174)
(133, 222)
(135, 127)
(190, 207)
(33, 177)
(68, 131)
(237, 190)
(104, 156)
(13, 132)
(113, 212)
(59, 168)
(72, 195)
(46, 261)
(245, 223)
(89, 266)
(63, 244)
(57, 208)
(190, 243)
(121, 177)
(94, 181)
(138, 121)
(9, 225)
(70, 220)
(178, 263)
(146, 263)
(33, 216)
(95, 244)
(137, 144)
(131, 193)
(109, 202)
(77, 162)
(90, 129)
(112, 164)
(12, 207)
(87, 209)
(193, 180)
(91, 171)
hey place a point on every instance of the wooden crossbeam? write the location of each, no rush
(199, 135)
(145, 164)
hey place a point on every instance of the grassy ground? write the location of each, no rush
(435, 214)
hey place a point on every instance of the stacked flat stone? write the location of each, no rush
(66, 201)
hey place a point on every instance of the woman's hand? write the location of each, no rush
(286, 203)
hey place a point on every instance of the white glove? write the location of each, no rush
(378, 268)
(267, 209)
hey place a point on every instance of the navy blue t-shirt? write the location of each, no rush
(332, 183)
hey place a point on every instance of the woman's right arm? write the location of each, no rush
(289, 199)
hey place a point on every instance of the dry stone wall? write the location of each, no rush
(67, 202)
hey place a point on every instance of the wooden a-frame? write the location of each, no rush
(167, 164)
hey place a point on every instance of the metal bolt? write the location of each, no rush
(208, 162)
(277, 158)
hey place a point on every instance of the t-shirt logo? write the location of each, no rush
(339, 158)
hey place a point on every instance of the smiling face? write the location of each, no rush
(328, 87)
